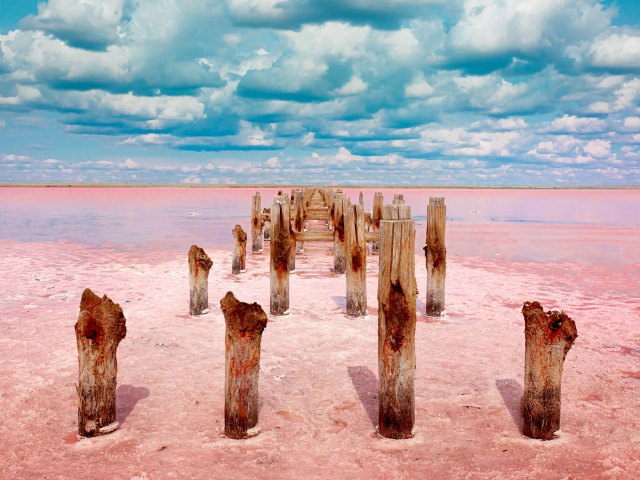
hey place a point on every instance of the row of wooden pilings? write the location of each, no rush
(548, 336)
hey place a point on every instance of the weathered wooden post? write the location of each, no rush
(100, 328)
(298, 222)
(338, 233)
(239, 250)
(280, 249)
(396, 323)
(256, 225)
(548, 338)
(377, 216)
(436, 255)
(199, 266)
(398, 199)
(244, 325)
(266, 212)
(361, 200)
(356, 261)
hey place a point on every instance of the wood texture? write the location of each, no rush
(548, 338)
(199, 266)
(238, 261)
(100, 328)
(376, 214)
(339, 201)
(299, 216)
(436, 256)
(356, 261)
(396, 326)
(256, 224)
(280, 249)
(244, 326)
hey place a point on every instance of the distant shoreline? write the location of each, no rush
(423, 187)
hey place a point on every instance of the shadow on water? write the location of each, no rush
(366, 384)
(511, 392)
(127, 396)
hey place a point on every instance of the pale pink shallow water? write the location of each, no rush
(319, 368)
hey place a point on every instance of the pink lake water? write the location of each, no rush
(578, 250)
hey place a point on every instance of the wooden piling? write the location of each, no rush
(376, 217)
(548, 338)
(396, 323)
(199, 266)
(398, 199)
(356, 261)
(256, 224)
(266, 224)
(239, 250)
(338, 236)
(280, 249)
(436, 256)
(100, 328)
(244, 326)
(361, 200)
(298, 208)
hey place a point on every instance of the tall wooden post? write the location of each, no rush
(361, 200)
(280, 249)
(239, 250)
(244, 326)
(548, 338)
(396, 323)
(338, 233)
(436, 255)
(298, 222)
(356, 261)
(377, 216)
(100, 328)
(199, 266)
(256, 224)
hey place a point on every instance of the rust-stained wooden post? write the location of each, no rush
(256, 225)
(298, 222)
(356, 261)
(244, 325)
(548, 338)
(280, 249)
(266, 224)
(239, 250)
(199, 266)
(338, 233)
(100, 328)
(436, 255)
(376, 217)
(396, 323)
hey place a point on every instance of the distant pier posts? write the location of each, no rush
(239, 250)
(376, 217)
(256, 224)
(266, 212)
(199, 266)
(356, 261)
(298, 222)
(398, 199)
(280, 249)
(548, 338)
(338, 237)
(100, 328)
(396, 323)
(244, 325)
(436, 255)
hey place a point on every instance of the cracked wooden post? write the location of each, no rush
(199, 266)
(396, 323)
(298, 222)
(338, 233)
(100, 328)
(548, 338)
(376, 217)
(436, 256)
(356, 261)
(239, 250)
(266, 212)
(256, 224)
(280, 249)
(244, 325)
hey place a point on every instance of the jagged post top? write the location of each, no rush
(396, 212)
(555, 324)
(92, 308)
(436, 201)
(200, 257)
(248, 319)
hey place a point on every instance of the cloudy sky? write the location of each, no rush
(424, 92)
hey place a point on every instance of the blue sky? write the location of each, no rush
(415, 92)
